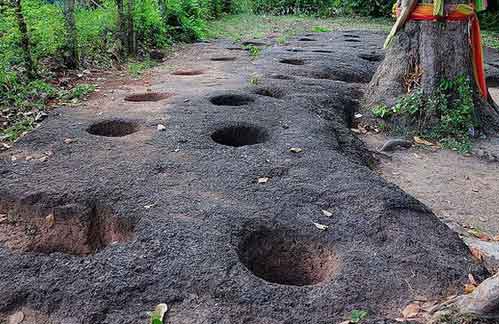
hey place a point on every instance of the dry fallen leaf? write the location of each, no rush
(420, 141)
(477, 254)
(43, 159)
(411, 310)
(263, 180)
(50, 220)
(321, 227)
(16, 318)
(295, 150)
(469, 288)
(327, 213)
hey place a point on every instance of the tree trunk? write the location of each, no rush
(25, 42)
(122, 29)
(423, 54)
(71, 59)
(131, 32)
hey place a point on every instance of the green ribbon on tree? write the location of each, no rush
(438, 7)
(481, 5)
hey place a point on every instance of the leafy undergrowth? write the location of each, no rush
(446, 116)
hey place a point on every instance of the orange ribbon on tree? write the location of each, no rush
(459, 12)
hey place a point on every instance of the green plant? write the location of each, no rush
(18, 129)
(254, 51)
(320, 29)
(78, 92)
(136, 68)
(358, 315)
(254, 80)
(382, 111)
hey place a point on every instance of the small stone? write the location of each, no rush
(296, 150)
(161, 127)
(43, 159)
(69, 141)
(263, 180)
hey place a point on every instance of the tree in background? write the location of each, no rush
(25, 41)
(132, 42)
(433, 70)
(71, 58)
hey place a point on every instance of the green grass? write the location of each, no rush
(248, 26)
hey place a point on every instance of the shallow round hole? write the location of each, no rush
(287, 258)
(351, 36)
(113, 128)
(322, 51)
(223, 58)
(295, 50)
(149, 96)
(306, 39)
(232, 100)
(269, 92)
(293, 61)
(37, 223)
(372, 57)
(253, 43)
(240, 135)
(281, 77)
(188, 72)
(352, 40)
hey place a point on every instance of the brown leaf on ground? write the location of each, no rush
(50, 220)
(421, 141)
(477, 254)
(469, 288)
(411, 310)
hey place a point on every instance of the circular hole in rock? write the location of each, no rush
(113, 128)
(293, 61)
(240, 135)
(148, 96)
(253, 43)
(223, 58)
(188, 72)
(306, 39)
(295, 50)
(287, 258)
(281, 77)
(351, 36)
(42, 225)
(372, 57)
(269, 92)
(352, 40)
(323, 51)
(231, 100)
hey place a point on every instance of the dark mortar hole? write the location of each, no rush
(322, 51)
(188, 72)
(269, 92)
(351, 36)
(281, 77)
(113, 128)
(149, 96)
(45, 226)
(295, 50)
(372, 57)
(240, 135)
(253, 43)
(293, 61)
(223, 58)
(306, 39)
(235, 48)
(287, 258)
(352, 40)
(231, 100)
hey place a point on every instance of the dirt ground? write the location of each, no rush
(240, 196)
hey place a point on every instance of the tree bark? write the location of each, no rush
(25, 41)
(122, 29)
(71, 59)
(132, 50)
(423, 54)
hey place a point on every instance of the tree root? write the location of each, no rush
(482, 303)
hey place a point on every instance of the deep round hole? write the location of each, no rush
(372, 57)
(351, 36)
(352, 40)
(306, 39)
(323, 51)
(223, 58)
(231, 100)
(240, 135)
(287, 258)
(281, 77)
(269, 92)
(253, 43)
(293, 61)
(188, 72)
(149, 96)
(113, 128)
(42, 225)
(295, 50)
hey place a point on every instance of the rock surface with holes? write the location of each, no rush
(178, 216)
